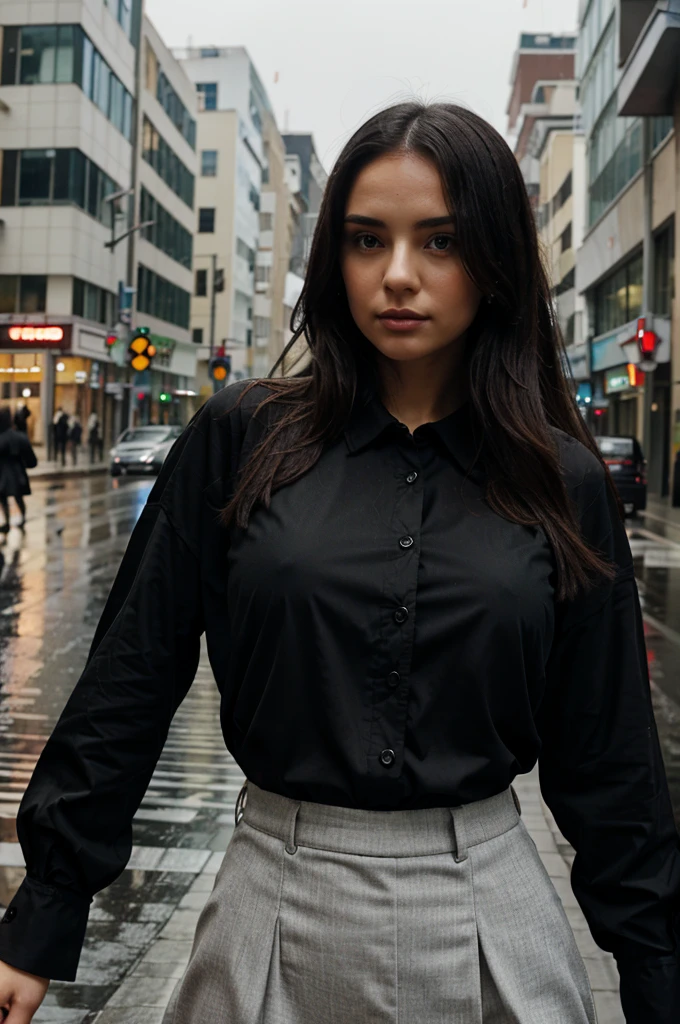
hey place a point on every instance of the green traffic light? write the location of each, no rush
(165, 397)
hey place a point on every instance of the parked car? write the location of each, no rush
(628, 467)
(142, 449)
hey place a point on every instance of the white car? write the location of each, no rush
(142, 449)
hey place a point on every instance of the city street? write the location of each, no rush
(53, 586)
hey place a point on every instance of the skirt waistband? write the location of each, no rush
(417, 833)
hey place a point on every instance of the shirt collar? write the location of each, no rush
(369, 419)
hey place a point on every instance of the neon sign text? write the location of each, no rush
(36, 333)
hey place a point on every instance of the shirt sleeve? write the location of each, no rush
(602, 773)
(75, 821)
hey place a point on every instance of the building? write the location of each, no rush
(67, 87)
(624, 265)
(649, 87)
(233, 106)
(279, 225)
(539, 59)
(308, 181)
(165, 186)
(97, 132)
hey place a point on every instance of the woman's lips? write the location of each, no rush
(402, 323)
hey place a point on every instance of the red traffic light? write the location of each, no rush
(648, 343)
(111, 340)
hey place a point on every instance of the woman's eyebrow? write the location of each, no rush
(372, 222)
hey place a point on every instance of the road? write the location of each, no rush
(53, 586)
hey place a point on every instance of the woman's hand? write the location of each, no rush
(20, 994)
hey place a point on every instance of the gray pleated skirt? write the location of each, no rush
(328, 915)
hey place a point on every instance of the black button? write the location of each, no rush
(10, 915)
(387, 758)
(401, 615)
(412, 477)
(406, 542)
(393, 679)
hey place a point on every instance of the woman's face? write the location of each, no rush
(399, 252)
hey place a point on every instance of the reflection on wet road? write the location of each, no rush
(54, 581)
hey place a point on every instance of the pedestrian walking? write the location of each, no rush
(420, 584)
(93, 438)
(61, 432)
(16, 456)
(21, 417)
(75, 436)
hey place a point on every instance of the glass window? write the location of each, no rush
(197, 335)
(65, 54)
(634, 284)
(663, 272)
(125, 15)
(116, 105)
(127, 115)
(87, 73)
(103, 86)
(206, 220)
(35, 176)
(209, 163)
(8, 191)
(93, 190)
(33, 293)
(38, 54)
(10, 54)
(9, 284)
(151, 69)
(207, 95)
(201, 282)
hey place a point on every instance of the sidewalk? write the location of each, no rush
(659, 510)
(47, 470)
(147, 988)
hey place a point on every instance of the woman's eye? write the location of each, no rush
(442, 243)
(367, 241)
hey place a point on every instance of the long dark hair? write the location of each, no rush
(517, 383)
(5, 419)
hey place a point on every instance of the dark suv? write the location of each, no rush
(627, 465)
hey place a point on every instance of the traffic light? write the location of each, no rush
(164, 397)
(220, 368)
(141, 350)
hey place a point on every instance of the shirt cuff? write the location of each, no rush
(43, 931)
(650, 989)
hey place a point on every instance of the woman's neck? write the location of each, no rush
(417, 395)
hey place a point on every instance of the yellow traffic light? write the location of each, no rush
(220, 373)
(142, 352)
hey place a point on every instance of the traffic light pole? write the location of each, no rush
(213, 305)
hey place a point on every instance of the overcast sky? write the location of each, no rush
(338, 61)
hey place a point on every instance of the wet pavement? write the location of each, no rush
(53, 587)
(54, 580)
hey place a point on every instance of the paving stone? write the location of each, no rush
(145, 1015)
(159, 970)
(182, 925)
(168, 950)
(193, 901)
(137, 992)
(555, 865)
(608, 1006)
(204, 883)
(602, 973)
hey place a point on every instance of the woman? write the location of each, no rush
(16, 456)
(420, 584)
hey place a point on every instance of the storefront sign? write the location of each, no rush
(35, 336)
(623, 378)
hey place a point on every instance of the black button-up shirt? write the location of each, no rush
(381, 639)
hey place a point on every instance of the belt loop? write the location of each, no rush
(458, 834)
(292, 821)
